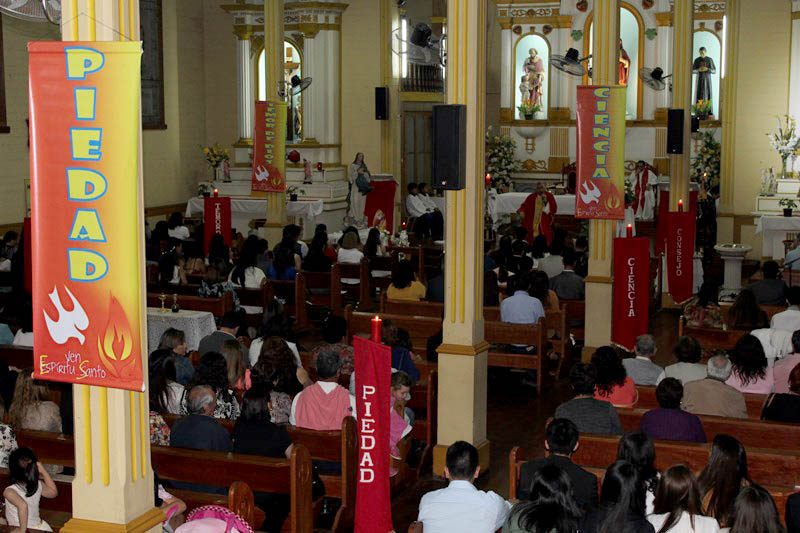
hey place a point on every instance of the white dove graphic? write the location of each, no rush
(70, 323)
(589, 192)
(261, 173)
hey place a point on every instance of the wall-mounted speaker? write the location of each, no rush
(381, 103)
(695, 124)
(449, 147)
(675, 131)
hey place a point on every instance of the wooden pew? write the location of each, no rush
(751, 433)
(754, 402)
(282, 476)
(359, 294)
(424, 403)
(712, 338)
(215, 306)
(517, 457)
(338, 447)
(575, 314)
(766, 466)
(16, 356)
(293, 295)
(383, 264)
(413, 254)
(324, 289)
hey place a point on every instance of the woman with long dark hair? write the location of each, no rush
(723, 478)
(746, 314)
(549, 507)
(621, 507)
(316, 260)
(286, 262)
(277, 367)
(219, 255)
(405, 285)
(703, 310)
(213, 372)
(29, 483)
(373, 246)
(638, 449)
(751, 370)
(613, 383)
(755, 510)
(540, 288)
(246, 272)
(677, 506)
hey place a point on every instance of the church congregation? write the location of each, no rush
(435, 266)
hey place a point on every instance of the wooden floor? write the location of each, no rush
(516, 417)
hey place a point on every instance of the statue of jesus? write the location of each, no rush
(704, 67)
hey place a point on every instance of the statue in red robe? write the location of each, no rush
(624, 65)
(538, 213)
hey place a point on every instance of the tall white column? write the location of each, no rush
(244, 78)
(321, 101)
(311, 48)
(506, 88)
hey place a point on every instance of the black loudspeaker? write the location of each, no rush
(381, 103)
(675, 131)
(695, 124)
(449, 147)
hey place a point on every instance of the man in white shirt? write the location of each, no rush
(430, 221)
(792, 259)
(521, 308)
(462, 507)
(789, 320)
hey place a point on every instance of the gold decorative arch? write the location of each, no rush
(640, 56)
(514, 81)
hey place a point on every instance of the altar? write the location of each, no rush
(775, 229)
(246, 208)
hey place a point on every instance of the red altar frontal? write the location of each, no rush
(380, 202)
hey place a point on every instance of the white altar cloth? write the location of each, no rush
(776, 230)
(510, 202)
(244, 209)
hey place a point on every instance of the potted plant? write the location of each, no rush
(204, 189)
(702, 109)
(527, 109)
(293, 191)
(788, 204)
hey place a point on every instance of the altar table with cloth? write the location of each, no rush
(245, 208)
(194, 324)
(776, 229)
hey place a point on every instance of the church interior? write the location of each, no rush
(561, 235)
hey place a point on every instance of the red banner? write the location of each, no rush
(380, 204)
(216, 219)
(680, 254)
(269, 147)
(87, 208)
(663, 211)
(373, 370)
(601, 153)
(631, 290)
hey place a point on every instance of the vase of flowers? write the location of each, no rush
(702, 109)
(785, 140)
(217, 158)
(788, 205)
(528, 109)
(293, 193)
(500, 161)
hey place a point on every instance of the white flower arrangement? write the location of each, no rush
(500, 161)
(785, 139)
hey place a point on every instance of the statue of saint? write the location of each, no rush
(704, 67)
(624, 65)
(525, 88)
(534, 70)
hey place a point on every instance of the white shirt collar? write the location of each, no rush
(461, 484)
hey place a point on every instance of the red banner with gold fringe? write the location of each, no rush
(680, 254)
(631, 290)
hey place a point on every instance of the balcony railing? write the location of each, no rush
(424, 79)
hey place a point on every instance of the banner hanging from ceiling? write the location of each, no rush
(87, 213)
(269, 147)
(600, 186)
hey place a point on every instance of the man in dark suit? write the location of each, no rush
(561, 441)
(568, 285)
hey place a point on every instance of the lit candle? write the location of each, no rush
(488, 180)
(680, 205)
(216, 193)
(319, 166)
(629, 230)
(377, 324)
(404, 224)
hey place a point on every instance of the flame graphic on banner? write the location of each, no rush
(612, 202)
(116, 344)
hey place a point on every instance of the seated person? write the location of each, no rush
(688, 368)
(323, 405)
(613, 383)
(771, 290)
(561, 441)
(751, 370)
(228, 327)
(400, 425)
(349, 252)
(461, 506)
(30, 482)
(430, 222)
(552, 264)
(199, 430)
(402, 358)
(641, 367)
(405, 285)
(745, 314)
(587, 413)
(784, 366)
(668, 421)
(568, 285)
(520, 307)
(711, 395)
(286, 261)
(176, 228)
(788, 320)
(317, 259)
(785, 407)
(703, 310)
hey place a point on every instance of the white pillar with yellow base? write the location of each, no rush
(113, 486)
(274, 77)
(605, 58)
(463, 354)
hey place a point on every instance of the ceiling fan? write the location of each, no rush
(33, 10)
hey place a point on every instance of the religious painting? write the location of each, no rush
(630, 32)
(152, 65)
(706, 65)
(531, 77)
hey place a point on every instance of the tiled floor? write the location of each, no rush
(516, 417)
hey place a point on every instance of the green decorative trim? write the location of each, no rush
(577, 35)
(651, 33)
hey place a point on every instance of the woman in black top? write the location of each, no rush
(621, 507)
(785, 407)
(316, 260)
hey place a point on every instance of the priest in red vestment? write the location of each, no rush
(538, 213)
